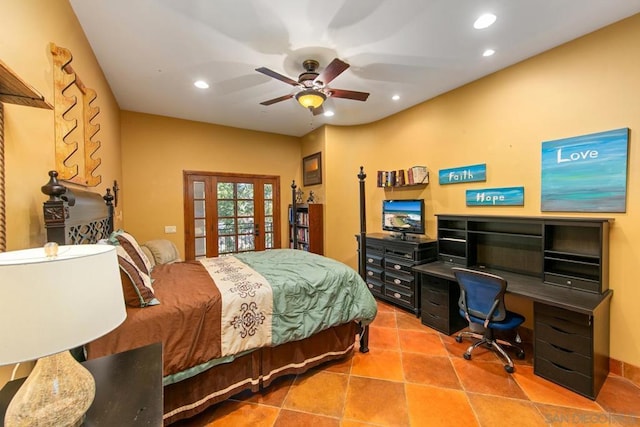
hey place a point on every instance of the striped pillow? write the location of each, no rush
(131, 246)
(136, 284)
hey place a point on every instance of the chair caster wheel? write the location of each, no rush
(509, 369)
(467, 356)
(520, 355)
(458, 339)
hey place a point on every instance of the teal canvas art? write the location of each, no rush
(585, 173)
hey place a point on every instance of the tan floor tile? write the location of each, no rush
(632, 373)
(430, 370)
(542, 391)
(385, 306)
(238, 414)
(382, 364)
(421, 342)
(435, 406)
(378, 402)
(385, 319)
(318, 393)
(487, 378)
(383, 338)
(501, 411)
(340, 366)
(293, 418)
(620, 396)
(352, 423)
(408, 320)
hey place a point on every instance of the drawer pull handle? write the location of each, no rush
(397, 295)
(433, 316)
(568, 282)
(560, 330)
(397, 267)
(370, 273)
(561, 367)
(370, 285)
(370, 260)
(434, 303)
(397, 281)
(564, 350)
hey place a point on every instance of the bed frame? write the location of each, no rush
(80, 217)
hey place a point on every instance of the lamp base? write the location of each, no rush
(58, 392)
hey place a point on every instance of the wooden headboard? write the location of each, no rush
(74, 217)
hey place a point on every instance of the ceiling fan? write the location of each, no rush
(313, 85)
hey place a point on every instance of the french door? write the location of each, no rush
(230, 213)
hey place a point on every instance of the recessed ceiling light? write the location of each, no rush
(328, 113)
(484, 21)
(395, 97)
(201, 84)
(488, 52)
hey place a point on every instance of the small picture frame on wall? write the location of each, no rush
(312, 169)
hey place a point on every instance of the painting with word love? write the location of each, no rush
(585, 173)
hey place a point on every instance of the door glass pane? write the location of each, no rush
(201, 247)
(200, 228)
(245, 208)
(225, 190)
(268, 207)
(246, 243)
(198, 208)
(198, 190)
(268, 240)
(226, 226)
(225, 208)
(226, 244)
(268, 191)
(245, 225)
(245, 191)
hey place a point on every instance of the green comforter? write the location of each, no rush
(310, 292)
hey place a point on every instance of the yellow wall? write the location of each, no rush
(156, 150)
(26, 29)
(588, 85)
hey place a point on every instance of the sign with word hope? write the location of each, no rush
(585, 173)
(471, 173)
(507, 196)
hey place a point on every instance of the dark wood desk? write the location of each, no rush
(128, 389)
(571, 327)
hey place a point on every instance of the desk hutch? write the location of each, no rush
(560, 263)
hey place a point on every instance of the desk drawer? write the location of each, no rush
(561, 315)
(570, 360)
(566, 377)
(572, 282)
(400, 294)
(436, 297)
(564, 339)
(399, 279)
(375, 273)
(400, 265)
(436, 322)
(437, 309)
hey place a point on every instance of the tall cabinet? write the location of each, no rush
(306, 228)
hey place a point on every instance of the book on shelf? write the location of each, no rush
(402, 177)
(420, 175)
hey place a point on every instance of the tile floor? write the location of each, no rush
(415, 376)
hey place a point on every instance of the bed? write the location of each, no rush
(255, 324)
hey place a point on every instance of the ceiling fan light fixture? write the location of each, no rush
(310, 98)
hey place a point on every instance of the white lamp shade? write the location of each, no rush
(48, 305)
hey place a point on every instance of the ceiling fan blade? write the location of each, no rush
(277, 76)
(349, 94)
(278, 99)
(331, 71)
(318, 111)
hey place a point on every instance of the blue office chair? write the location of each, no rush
(482, 303)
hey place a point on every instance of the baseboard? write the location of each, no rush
(625, 370)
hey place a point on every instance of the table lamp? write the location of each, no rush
(54, 299)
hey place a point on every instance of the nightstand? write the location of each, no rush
(128, 389)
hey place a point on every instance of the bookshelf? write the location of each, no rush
(306, 225)
(411, 177)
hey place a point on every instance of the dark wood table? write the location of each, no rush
(128, 389)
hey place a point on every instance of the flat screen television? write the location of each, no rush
(403, 216)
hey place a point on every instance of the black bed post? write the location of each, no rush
(55, 210)
(292, 216)
(108, 200)
(362, 260)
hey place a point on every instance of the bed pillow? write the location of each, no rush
(149, 255)
(136, 284)
(163, 251)
(131, 246)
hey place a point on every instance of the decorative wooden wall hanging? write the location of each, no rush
(67, 112)
(13, 90)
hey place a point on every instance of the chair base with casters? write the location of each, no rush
(487, 339)
(482, 304)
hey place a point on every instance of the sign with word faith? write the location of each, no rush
(471, 173)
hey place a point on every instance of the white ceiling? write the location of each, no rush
(152, 51)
